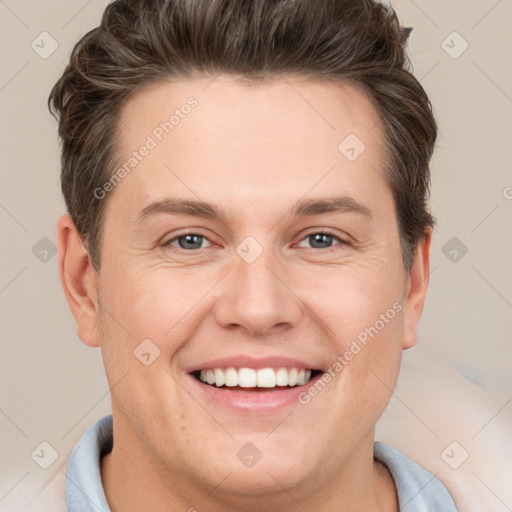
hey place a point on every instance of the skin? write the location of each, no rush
(253, 151)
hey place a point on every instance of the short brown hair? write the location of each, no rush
(142, 42)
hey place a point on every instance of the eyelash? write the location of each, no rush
(327, 232)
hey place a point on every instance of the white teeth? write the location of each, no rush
(220, 378)
(231, 377)
(247, 378)
(282, 377)
(303, 377)
(266, 378)
(250, 378)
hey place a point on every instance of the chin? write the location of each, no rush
(257, 465)
(265, 477)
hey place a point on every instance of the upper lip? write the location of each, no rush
(245, 361)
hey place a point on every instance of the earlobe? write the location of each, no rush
(416, 290)
(78, 279)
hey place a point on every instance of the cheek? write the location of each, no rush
(152, 303)
(361, 310)
(143, 324)
(155, 312)
(352, 298)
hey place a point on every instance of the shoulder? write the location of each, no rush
(76, 486)
(84, 489)
(416, 487)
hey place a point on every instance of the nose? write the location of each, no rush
(257, 298)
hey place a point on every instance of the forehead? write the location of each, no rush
(227, 109)
(219, 138)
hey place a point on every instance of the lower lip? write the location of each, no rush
(257, 401)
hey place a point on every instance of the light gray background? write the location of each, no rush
(455, 387)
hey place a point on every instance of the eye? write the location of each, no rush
(317, 240)
(187, 241)
(323, 240)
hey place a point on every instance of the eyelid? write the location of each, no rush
(340, 239)
(185, 233)
(326, 231)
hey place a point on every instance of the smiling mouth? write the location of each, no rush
(249, 379)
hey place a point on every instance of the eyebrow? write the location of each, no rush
(302, 208)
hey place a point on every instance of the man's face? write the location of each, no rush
(254, 287)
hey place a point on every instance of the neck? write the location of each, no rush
(133, 481)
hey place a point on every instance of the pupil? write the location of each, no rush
(190, 241)
(320, 238)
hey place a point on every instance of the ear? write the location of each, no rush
(416, 290)
(79, 280)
